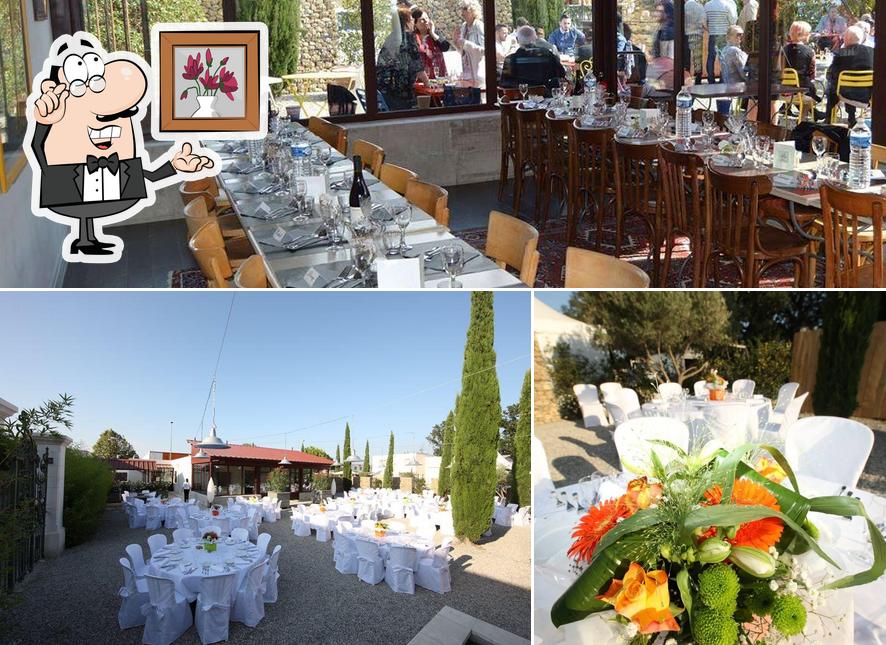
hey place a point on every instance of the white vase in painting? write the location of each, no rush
(206, 109)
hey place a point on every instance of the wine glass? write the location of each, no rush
(818, 147)
(523, 88)
(707, 120)
(324, 155)
(362, 256)
(334, 222)
(762, 144)
(453, 261)
(283, 172)
(403, 217)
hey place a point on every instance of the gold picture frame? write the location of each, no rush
(13, 160)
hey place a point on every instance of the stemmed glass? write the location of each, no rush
(763, 145)
(662, 110)
(282, 171)
(334, 222)
(403, 217)
(325, 154)
(362, 256)
(707, 121)
(523, 88)
(453, 261)
(299, 191)
(818, 147)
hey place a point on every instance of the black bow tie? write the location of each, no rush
(112, 163)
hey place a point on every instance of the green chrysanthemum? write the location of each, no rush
(761, 602)
(789, 614)
(713, 627)
(718, 588)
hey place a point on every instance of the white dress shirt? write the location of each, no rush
(101, 185)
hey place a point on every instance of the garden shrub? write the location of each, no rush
(88, 480)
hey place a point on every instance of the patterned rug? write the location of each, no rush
(552, 246)
(187, 279)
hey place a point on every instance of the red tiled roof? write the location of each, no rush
(238, 451)
(134, 464)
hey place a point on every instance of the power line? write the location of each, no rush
(217, 361)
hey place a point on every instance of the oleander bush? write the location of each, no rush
(88, 480)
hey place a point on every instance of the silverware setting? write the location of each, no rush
(346, 274)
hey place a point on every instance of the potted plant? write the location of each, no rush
(210, 540)
(278, 486)
(716, 386)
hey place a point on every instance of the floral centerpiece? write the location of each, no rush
(216, 510)
(210, 540)
(716, 386)
(705, 549)
(380, 529)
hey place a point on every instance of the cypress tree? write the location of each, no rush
(367, 463)
(337, 454)
(346, 470)
(521, 487)
(476, 421)
(302, 446)
(443, 485)
(283, 18)
(848, 319)
(388, 479)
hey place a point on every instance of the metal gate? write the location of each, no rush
(22, 507)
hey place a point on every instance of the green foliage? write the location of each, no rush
(283, 18)
(321, 483)
(314, 450)
(111, 445)
(278, 480)
(789, 614)
(443, 484)
(568, 369)
(773, 315)
(848, 321)
(508, 424)
(88, 480)
(435, 438)
(713, 627)
(388, 479)
(521, 490)
(367, 462)
(539, 13)
(718, 587)
(418, 485)
(766, 362)
(337, 454)
(161, 488)
(346, 470)
(502, 478)
(477, 422)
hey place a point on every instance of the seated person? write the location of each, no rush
(567, 38)
(830, 28)
(798, 55)
(531, 64)
(852, 56)
(540, 40)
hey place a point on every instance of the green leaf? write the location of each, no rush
(724, 472)
(636, 522)
(685, 595)
(733, 514)
(658, 469)
(668, 444)
(782, 461)
(580, 600)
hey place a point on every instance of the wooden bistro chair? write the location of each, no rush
(592, 270)
(636, 195)
(682, 192)
(511, 242)
(251, 274)
(591, 188)
(209, 250)
(190, 190)
(204, 208)
(396, 177)
(853, 238)
(530, 155)
(774, 132)
(335, 135)
(556, 165)
(878, 155)
(508, 144)
(733, 210)
(373, 156)
(430, 198)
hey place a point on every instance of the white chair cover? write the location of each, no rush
(269, 514)
(241, 535)
(592, 411)
(249, 606)
(322, 527)
(136, 559)
(610, 390)
(670, 390)
(272, 575)
(829, 448)
(345, 552)
(743, 387)
(300, 527)
(135, 596)
(254, 521)
(156, 542)
(542, 485)
(264, 539)
(502, 515)
(616, 412)
(786, 394)
(167, 615)
(400, 568)
(731, 423)
(699, 388)
(153, 517)
(370, 566)
(179, 536)
(213, 612)
(137, 514)
(646, 429)
(278, 509)
(170, 520)
(629, 402)
(426, 530)
(433, 572)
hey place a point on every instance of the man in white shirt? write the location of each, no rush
(720, 15)
(502, 45)
(696, 24)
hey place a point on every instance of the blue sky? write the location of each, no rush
(134, 361)
(554, 298)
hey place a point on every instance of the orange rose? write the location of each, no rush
(771, 470)
(641, 494)
(643, 598)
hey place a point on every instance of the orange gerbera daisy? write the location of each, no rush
(594, 525)
(762, 533)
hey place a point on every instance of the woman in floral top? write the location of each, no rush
(430, 45)
(399, 63)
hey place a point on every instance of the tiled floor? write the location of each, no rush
(154, 250)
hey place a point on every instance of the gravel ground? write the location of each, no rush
(72, 599)
(574, 452)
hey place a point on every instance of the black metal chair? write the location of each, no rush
(340, 100)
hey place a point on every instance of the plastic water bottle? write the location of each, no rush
(860, 155)
(301, 158)
(590, 84)
(684, 114)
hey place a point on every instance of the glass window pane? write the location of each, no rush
(645, 44)
(13, 81)
(543, 54)
(427, 58)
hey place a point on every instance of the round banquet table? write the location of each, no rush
(187, 565)
(733, 421)
(395, 536)
(858, 613)
(225, 520)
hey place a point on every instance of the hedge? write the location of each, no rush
(88, 480)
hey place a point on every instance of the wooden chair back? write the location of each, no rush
(682, 182)
(774, 132)
(251, 274)
(198, 211)
(207, 244)
(732, 207)
(189, 190)
(335, 135)
(396, 177)
(636, 178)
(853, 237)
(430, 198)
(591, 175)
(878, 155)
(530, 137)
(217, 280)
(557, 161)
(373, 156)
(511, 242)
(592, 270)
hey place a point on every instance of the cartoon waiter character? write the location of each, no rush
(86, 145)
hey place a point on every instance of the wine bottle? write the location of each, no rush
(359, 189)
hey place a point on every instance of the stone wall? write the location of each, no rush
(213, 10)
(544, 403)
(446, 17)
(318, 48)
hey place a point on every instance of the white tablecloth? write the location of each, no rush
(734, 420)
(188, 570)
(844, 540)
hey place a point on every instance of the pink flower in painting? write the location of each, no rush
(192, 68)
(208, 56)
(209, 82)
(228, 83)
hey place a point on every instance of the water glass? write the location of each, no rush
(707, 120)
(306, 213)
(403, 217)
(763, 145)
(392, 241)
(523, 88)
(818, 147)
(334, 223)
(453, 261)
(362, 255)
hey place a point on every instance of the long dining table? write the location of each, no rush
(318, 266)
